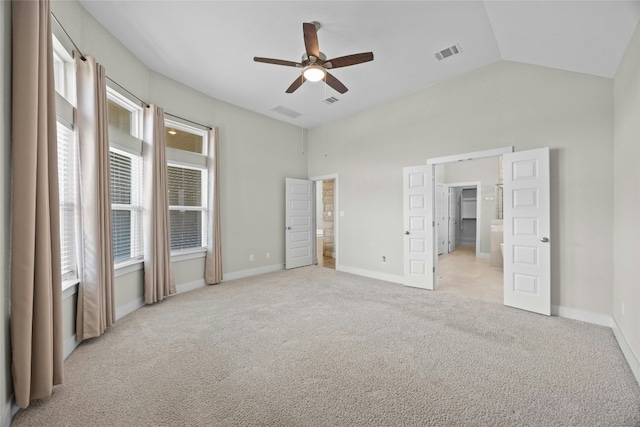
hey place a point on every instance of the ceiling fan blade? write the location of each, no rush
(311, 39)
(345, 61)
(296, 84)
(335, 83)
(277, 62)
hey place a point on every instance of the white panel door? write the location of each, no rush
(441, 217)
(527, 255)
(453, 222)
(418, 257)
(300, 229)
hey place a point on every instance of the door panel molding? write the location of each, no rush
(527, 251)
(299, 225)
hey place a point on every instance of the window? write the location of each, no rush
(67, 188)
(63, 72)
(126, 205)
(126, 169)
(67, 185)
(187, 177)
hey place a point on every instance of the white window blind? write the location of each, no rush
(187, 207)
(67, 187)
(126, 205)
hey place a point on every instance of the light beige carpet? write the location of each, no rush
(316, 347)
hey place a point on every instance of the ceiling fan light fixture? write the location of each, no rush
(314, 73)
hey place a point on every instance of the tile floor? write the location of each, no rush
(461, 273)
(327, 262)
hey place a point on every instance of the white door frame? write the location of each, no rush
(336, 212)
(478, 187)
(431, 169)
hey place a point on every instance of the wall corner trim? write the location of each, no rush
(252, 272)
(371, 274)
(69, 345)
(582, 315)
(129, 307)
(607, 321)
(632, 358)
(190, 286)
(9, 411)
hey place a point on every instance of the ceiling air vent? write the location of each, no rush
(331, 100)
(285, 111)
(450, 51)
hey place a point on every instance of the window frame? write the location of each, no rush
(193, 161)
(130, 145)
(65, 116)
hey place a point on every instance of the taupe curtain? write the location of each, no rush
(213, 263)
(36, 282)
(96, 306)
(158, 278)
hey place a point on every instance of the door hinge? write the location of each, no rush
(433, 223)
(434, 269)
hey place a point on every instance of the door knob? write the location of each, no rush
(544, 239)
(406, 232)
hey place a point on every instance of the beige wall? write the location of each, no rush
(503, 104)
(5, 207)
(256, 152)
(626, 189)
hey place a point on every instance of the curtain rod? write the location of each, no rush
(145, 104)
(187, 120)
(84, 58)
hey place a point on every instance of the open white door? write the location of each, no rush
(300, 232)
(418, 240)
(527, 255)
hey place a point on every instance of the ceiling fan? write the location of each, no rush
(315, 64)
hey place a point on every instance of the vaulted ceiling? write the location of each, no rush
(210, 45)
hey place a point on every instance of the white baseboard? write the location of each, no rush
(129, 307)
(252, 272)
(632, 358)
(372, 274)
(484, 255)
(602, 320)
(186, 287)
(582, 315)
(69, 345)
(10, 410)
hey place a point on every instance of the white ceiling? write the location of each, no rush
(210, 45)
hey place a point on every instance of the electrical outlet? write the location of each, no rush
(251, 257)
(384, 259)
(268, 254)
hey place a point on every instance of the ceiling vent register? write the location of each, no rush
(450, 51)
(331, 100)
(285, 111)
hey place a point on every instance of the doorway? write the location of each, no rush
(303, 222)
(469, 190)
(465, 211)
(325, 223)
(526, 210)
